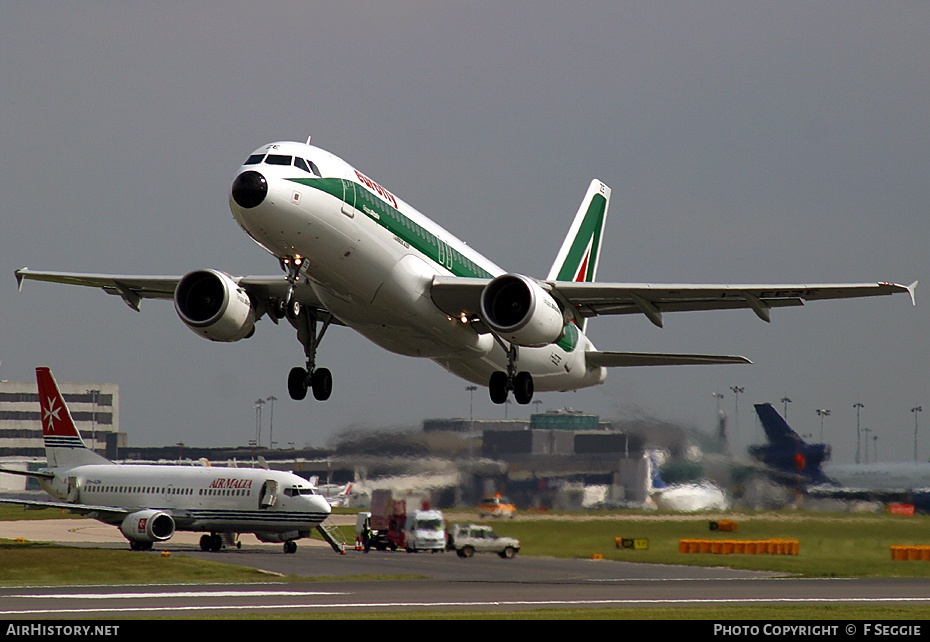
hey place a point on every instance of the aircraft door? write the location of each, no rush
(269, 494)
(348, 198)
(445, 254)
(74, 490)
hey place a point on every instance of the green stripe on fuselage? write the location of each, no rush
(569, 338)
(401, 226)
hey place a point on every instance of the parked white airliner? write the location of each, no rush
(355, 254)
(150, 502)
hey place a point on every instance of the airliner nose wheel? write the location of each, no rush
(290, 546)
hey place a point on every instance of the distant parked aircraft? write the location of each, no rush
(148, 503)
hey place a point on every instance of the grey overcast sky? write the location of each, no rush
(745, 142)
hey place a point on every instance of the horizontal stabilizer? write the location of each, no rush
(629, 359)
(27, 473)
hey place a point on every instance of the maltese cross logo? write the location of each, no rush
(50, 415)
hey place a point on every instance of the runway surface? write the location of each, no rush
(438, 582)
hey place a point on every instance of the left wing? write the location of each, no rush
(458, 296)
(103, 513)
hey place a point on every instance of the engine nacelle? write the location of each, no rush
(213, 305)
(148, 526)
(520, 311)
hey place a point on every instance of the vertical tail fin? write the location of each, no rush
(63, 444)
(580, 253)
(777, 430)
(578, 258)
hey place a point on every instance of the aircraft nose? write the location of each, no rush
(249, 189)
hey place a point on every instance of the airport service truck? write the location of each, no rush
(406, 522)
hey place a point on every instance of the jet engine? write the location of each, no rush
(148, 526)
(520, 311)
(213, 305)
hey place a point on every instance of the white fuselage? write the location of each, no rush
(202, 498)
(370, 259)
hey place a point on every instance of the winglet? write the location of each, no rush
(912, 290)
(20, 277)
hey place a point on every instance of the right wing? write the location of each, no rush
(609, 359)
(133, 288)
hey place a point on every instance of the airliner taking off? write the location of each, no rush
(355, 254)
(149, 502)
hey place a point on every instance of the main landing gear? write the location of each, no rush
(300, 380)
(501, 383)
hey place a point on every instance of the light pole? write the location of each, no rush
(471, 407)
(823, 412)
(258, 422)
(858, 406)
(736, 391)
(271, 400)
(785, 400)
(915, 410)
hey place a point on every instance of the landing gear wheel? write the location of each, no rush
(290, 547)
(205, 543)
(497, 386)
(322, 384)
(297, 383)
(279, 309)
(140, 546)
(292, 309)
(523, 387)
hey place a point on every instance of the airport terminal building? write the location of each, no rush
(94, 408)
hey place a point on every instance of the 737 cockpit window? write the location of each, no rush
(297, 490)
(254, 159)
(278, 159)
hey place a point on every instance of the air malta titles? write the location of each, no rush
(231, 482)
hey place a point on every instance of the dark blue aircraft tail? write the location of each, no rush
(787, 453)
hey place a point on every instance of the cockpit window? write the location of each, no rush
(297, 490)
(278, 159)
(307, 166)
(254, 159)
